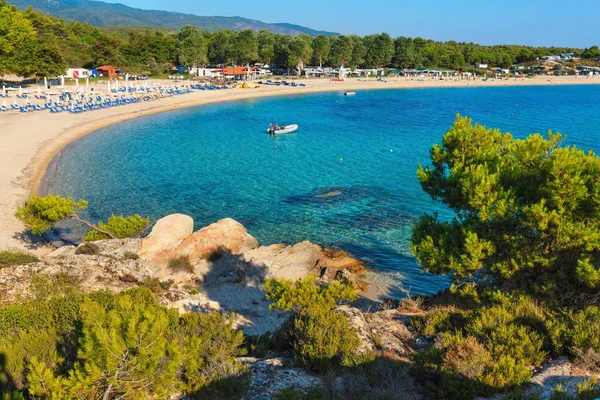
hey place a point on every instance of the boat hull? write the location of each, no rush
(287, 129)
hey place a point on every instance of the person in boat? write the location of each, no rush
(271, 128)
(277, 127)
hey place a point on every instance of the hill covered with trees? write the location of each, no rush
(99, 13)
(36, 44)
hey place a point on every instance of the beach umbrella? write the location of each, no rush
(4, 103)
(28, 102)
(45, 83)
(87, 82)
(108, 83)
(3, 90)
(14, 100)
(39, 91)
(62, 81)
(76, 82)
(20, 90)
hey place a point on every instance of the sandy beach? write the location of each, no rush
(29, 141)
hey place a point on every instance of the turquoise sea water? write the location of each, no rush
(217, 161)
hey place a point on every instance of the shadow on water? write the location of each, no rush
(332, 195)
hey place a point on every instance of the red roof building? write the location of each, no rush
(108, 71)
(237, 72)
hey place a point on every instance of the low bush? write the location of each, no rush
(306, 292)
(9, 259)
(437, 320)
(130, 256)
(181, 264)
(483, 351)
(576, 333)
(62, 343)
(120, 226)
(322, 338)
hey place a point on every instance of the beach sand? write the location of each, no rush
(29, 141)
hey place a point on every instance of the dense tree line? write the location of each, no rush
(33, 43)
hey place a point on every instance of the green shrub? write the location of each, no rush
(60, 345)
(306, 292)
(40, 213)
(322, 338)
(589, 389)
(130, 256)
(437, 320)
(8, 259)
(153, 284)
(576, 333)
(484, 350)
(559, 393)
(181, 264)
(120, 226)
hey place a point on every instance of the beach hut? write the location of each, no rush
(108, 71)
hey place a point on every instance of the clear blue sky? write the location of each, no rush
(529, 22)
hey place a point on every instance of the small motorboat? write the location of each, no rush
(350, 94)
(283, 129)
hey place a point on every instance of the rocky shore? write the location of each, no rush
(219, 267)
(223, 268)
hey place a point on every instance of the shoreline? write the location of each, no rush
(30, 143)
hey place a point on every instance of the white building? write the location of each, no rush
(205, 72)
(481, 66)
(77, 73)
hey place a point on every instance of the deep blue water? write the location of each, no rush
(217, 161)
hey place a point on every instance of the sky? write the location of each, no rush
(488, 22)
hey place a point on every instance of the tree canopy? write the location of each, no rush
(527, 212)
(41, 45)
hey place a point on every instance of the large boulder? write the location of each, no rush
(226, 236)
(278, 261)
(166, 235)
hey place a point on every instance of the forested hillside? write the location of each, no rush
(37, 44)
(98, 13)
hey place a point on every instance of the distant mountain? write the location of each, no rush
(98, 13)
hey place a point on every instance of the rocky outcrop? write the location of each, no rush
(225, 236)
(166, 235)
(382, 330)
(220, 267)
(272, 375)
(107, 264)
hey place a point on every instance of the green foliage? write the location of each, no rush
(181, 264)
(38, 44)
(323, 339)
(120, 226)
(438, 320)
(130, 256)
(40, 213)
(589, 389)
(8, 259)
(576, 333)
(305, 292)
(66, 344)
(526, 212)
(483, 350)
